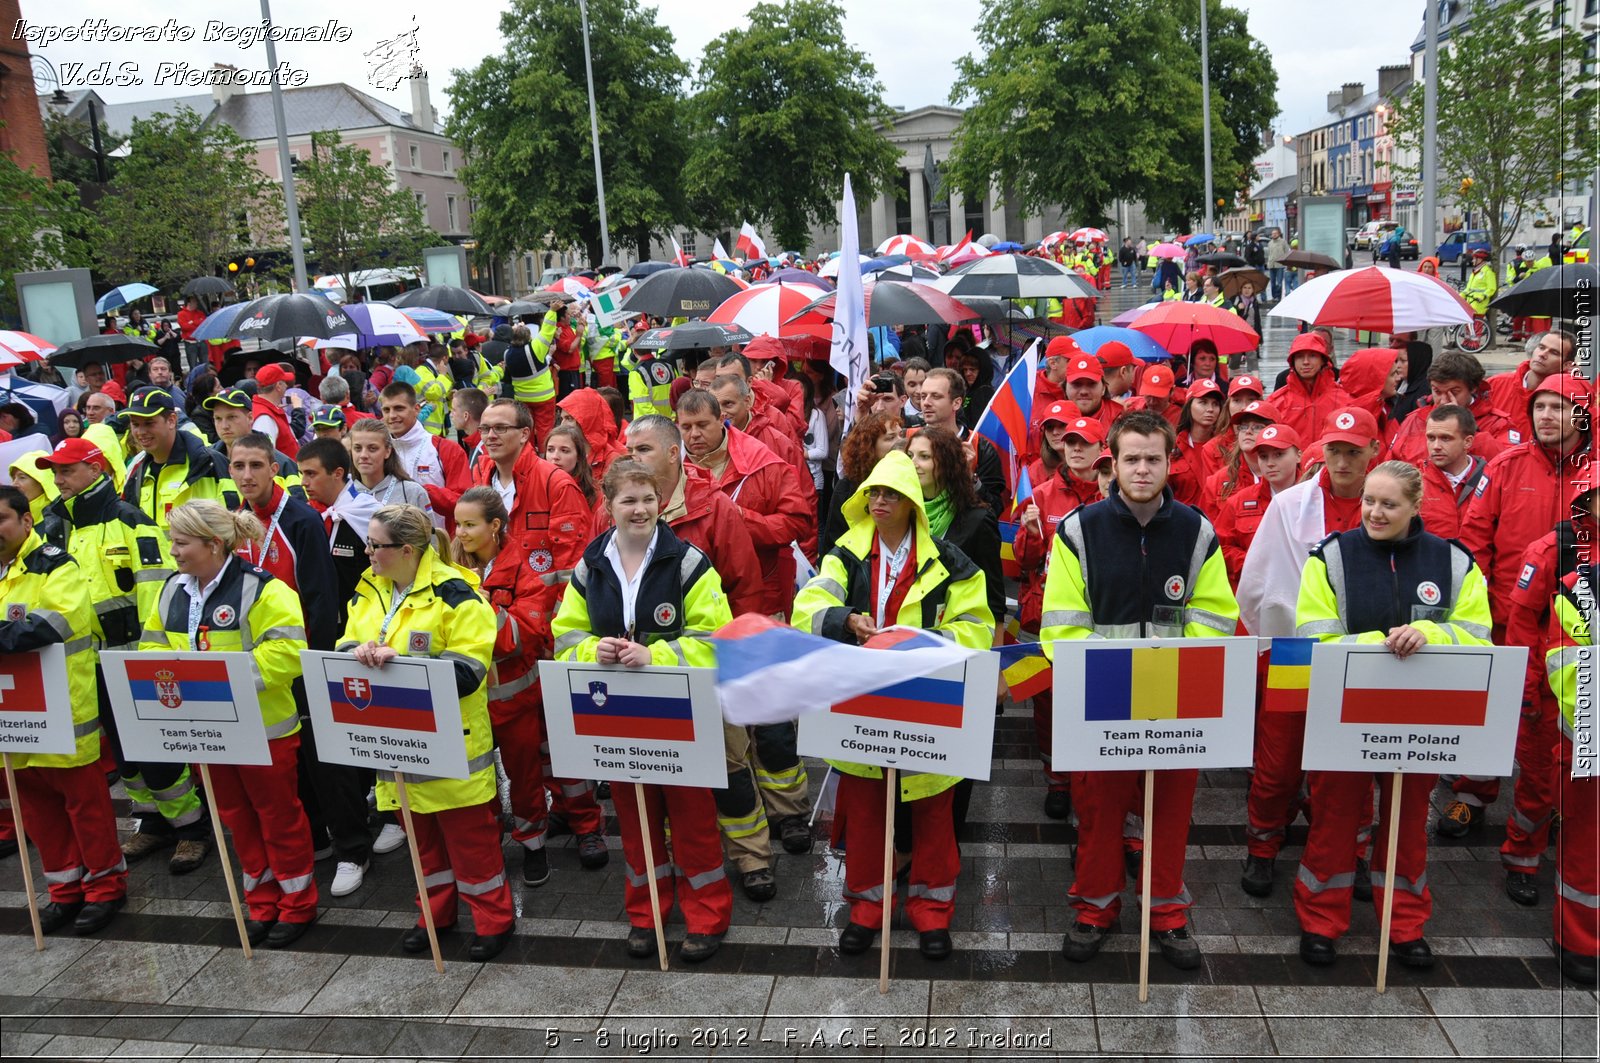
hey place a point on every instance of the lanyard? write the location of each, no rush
(890, 562)
(272, 528)
(197, 606)
(400, 594)
(394, 481)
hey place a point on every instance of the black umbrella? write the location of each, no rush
(1568, 290)
(274, 317)
(891, 303)
(207, 286)
(680, 292)
(446, 297)
(692, 336)
(1224, 259)
(76, 354)
(641, 270)
(535, 303)
(992, 310)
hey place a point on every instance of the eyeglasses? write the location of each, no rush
(495, 429)
(883, 494)
(373, 548)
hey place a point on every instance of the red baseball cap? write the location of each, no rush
(1205, 386)
(1114, 354)
(72, 451)
(1251, 384)
(1261, 409)
(115, 391)
(1278, 437)
(1065, 412)
(273, 373)
(1156, 382)
(1309, 341)
(1104, 458)
(1063, 347)
(1088, 429)
(1083, 367)
(1349, 425)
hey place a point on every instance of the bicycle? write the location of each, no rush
(1470, 337)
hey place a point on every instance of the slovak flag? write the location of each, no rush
(182, 690)
(1006, 419)
(750, 243)
(394, 697)
(21, 683)
(677, 253)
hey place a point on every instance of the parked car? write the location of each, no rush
(1367, 236)
(1461, 242)
(1579, 251)
(1408, 242)
(1350, 237)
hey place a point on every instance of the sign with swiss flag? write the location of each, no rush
(405, 716)
(35, 705)
(196, 707)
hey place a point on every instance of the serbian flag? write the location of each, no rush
(1380, 688)
(1288, 675)
(1026, 671)
(619, 704)
(677, 253)
(1006, 419)
(394, 697)
(1154, 683)
(182, 690)
(21, 682)
(750, 243)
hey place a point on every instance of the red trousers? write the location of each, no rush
(1043, 708)
(525, 755)
(8, 829)
(605, 373)
(1104, 800)
(260, 804)
(1577, 910)
(544, 419)
(691, 866)
(70, 821)
(1322, 889)
(1534, 792)
(461, 859)
(1275, 783)
(935, 860)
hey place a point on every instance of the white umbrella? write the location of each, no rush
(830, 268)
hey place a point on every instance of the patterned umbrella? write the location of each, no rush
(770, 308)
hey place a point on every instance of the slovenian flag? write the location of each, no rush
(181, 690)
(1288, 675)
(1378, 690)
(610, 703)
(1153, 683)
(1006, 419)
(394, 697)
(1026, 671)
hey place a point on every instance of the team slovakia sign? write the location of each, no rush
(1444, 710)
(405, 716)
(35, 706)
(1140, 704)
(190, 707)
(656, 724)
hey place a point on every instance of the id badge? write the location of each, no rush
(1168, 616)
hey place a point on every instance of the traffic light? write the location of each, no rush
(1466, 185)
(233, 267)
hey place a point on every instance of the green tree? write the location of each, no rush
(351, 214)
(1074, 103)
(42, 226)
(71, 147)
(784, 108)
(522, 120)
(187, 198)
(1515, 118)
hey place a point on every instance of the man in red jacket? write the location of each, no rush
(1085, 387)
(1521, 496)
(1553, 352)
(1452, 471)
(735, 397)
(1455, 379)
(437, 463)
(699, 513)
(1311, 393)
(272, 383)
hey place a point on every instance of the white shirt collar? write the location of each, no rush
(630, 587)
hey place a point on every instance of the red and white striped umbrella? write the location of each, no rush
(25, 345)
(907, 245)
(1088, 236)
(961, 254)
(576, 286)
(765, 308)
(1375, 299)
(1055, 238)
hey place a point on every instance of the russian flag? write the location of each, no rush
(1379, 690)
(1006, 419)
(182, 690)
(609, 703)
(394, 697)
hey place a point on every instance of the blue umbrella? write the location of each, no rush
(1005, 246)
(644, 269)
(884, 262)
(430, 320)
(1200, 238)
(123, 295)
(1142, 346)
(218, 322)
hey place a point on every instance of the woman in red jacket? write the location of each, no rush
(1202, 419)
(516, 709)
(567, 448)
(1277, 457)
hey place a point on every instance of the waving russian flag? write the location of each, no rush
(1006, 419)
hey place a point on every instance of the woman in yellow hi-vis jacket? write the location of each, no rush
(218, 601)
(643, 596)
(888, 569)
(413, 603)
(1385, 583)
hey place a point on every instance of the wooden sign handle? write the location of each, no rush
(650, 877)
(889, 784)
(227, 865)
(1144, 886)
(1388, 892)
(416, 868)
(22, 851)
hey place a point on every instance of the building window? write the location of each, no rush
(1558, 14)
(422, 202)
(416, 157)
(1591, 8)
(1589, 48)
(450, 212)
(449, 166)
(690, 244)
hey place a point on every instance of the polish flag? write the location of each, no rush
(677, 254)
(750, 243)
(718, 251)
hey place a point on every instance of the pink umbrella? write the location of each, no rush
(1169, 251)
(767, 308)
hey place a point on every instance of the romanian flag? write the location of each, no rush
(394, 697)
(1006, 419)
(615, 704)
(1288, 675)
(1025, 668)
(1154, 683)
(1378, 690)
(1008, 548)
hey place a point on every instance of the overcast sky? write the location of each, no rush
(1316, 45)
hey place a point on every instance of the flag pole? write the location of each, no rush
(22, 851)
(889, 784)
(227, 865)
(423, 901)
(650, 876)
(1144, 885)
(1388, 889)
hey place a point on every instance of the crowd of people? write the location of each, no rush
(483, 502)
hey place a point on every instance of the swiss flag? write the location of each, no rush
(21, 682)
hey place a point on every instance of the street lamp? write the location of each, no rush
(594, 134)
(297, 247)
